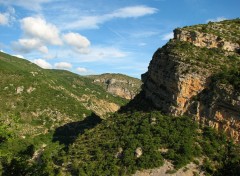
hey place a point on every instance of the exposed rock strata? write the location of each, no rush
(119, 85)
(205, 40)
(175, 91)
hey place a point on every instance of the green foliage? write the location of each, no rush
(99, 147)
(231, 76)
(46, 99)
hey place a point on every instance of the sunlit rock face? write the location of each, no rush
(179, 86)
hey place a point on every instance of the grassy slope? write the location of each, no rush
(49, 99)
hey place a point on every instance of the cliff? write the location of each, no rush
(197, 74)
(119, 85)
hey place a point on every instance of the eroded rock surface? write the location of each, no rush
(180, 78)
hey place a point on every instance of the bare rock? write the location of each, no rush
(30, 89)
(20, 89)
(138, 152)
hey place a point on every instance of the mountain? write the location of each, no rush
(193, 78)
(197, 74)
(41, 100)
(118, 84)
(185, 120)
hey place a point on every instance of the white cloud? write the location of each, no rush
(79, 42)
(82, 70)
(7, 17)
(37, 35)
(3, 19)
(27, 4)
(19, 56)
(216, 19)
(133, 11)
(167, 36)
(89, 22)
(28, 45)
(63, 65)
(42, 63)
(36, 27)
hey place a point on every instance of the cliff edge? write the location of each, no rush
(197, 73)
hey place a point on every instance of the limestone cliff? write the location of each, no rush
(118, 84)
(197, 74)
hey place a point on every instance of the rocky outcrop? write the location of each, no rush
(178, 83)
(168, 170)
(205, 40)
(218, 106)
(119, 85)
(116, 87)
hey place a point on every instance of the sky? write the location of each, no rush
(100, 36)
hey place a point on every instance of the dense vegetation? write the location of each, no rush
(110, 148)
(33, 103)
(231, 76)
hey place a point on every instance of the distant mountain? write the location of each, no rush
(118, 84)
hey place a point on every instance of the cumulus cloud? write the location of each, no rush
(63, 65)
(167, 36)
(42, 63)
(37, 35)
(79, 42)
(28, 45)
(37, 27)
(82, 70)
(216, 19)
(89, 22)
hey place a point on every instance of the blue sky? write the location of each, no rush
(100, 36)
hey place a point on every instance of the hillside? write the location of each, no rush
(35, 101)
(118, 84)
(185, 117)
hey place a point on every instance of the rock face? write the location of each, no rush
(205, 40)
(180, 78)
(120, 85)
